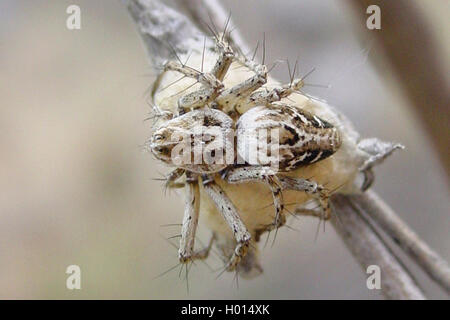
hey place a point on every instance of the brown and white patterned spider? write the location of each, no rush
(245, 108)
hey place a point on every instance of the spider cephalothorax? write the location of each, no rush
(200, 141)
(209, 121)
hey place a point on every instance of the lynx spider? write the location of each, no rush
(221, 105)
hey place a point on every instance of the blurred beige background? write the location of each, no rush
(76, 185)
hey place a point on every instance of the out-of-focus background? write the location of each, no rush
(76, 185)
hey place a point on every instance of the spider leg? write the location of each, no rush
(211, 86)
(158, 113)
(308, 212)
(312, 188)
(206, 79)
(280, 219)
(255, 173)
(196, 99)
(231, 216)
(202, 254)
(268, 96)
(258, 174)
(223, 63)
(172, 177)
(186, 251)
(230, 99)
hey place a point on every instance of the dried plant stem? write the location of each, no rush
(436, 267)
(369, 249)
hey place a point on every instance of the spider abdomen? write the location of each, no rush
(285, 137)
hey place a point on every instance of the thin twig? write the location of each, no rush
(369, 249)
(436, 267)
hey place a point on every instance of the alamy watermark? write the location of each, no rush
(374, 20)
(216, 145)
(374, 280)
(73, 21)
(74, 279)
